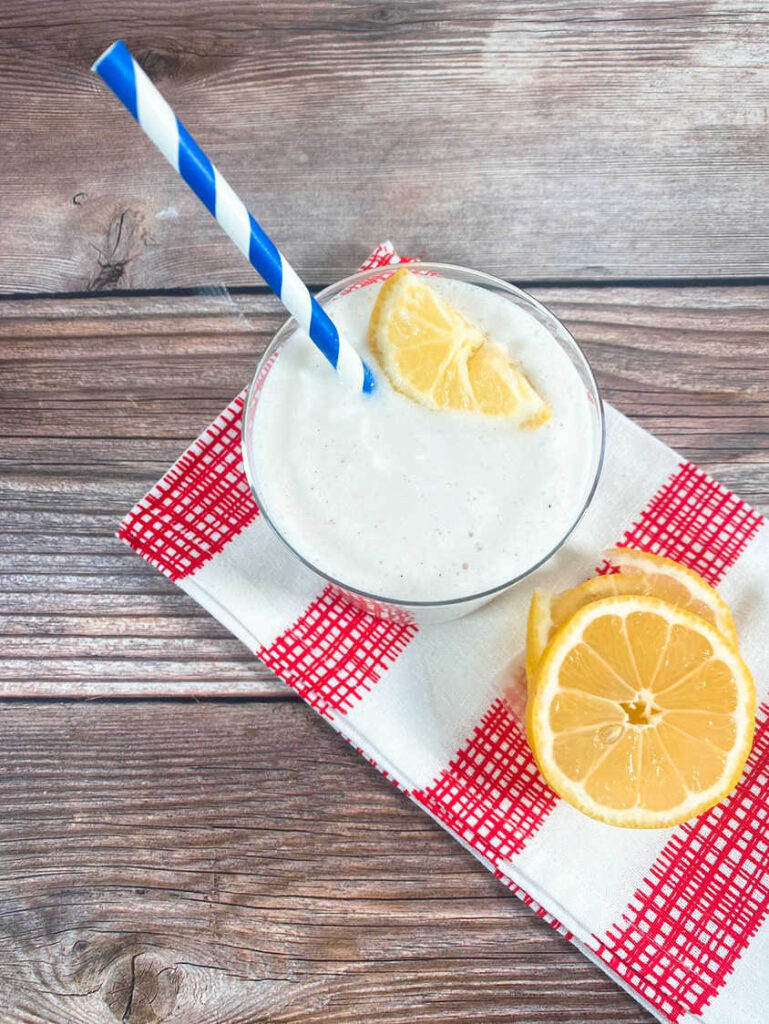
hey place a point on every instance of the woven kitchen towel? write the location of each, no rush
(676, 916)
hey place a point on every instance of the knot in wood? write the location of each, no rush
(142, 988)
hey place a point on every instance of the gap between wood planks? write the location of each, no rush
(533, 283)
(258, 698)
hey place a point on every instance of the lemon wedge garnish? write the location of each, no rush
(437, 357)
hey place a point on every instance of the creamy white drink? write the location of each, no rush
(415, 504)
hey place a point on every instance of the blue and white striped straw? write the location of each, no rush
(133, 88)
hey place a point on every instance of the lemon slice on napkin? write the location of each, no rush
(640, 573)
(642, 713)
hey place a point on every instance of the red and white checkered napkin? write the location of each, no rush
(677, 916)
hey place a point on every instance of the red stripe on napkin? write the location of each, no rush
(696, 522)
(704, 899)
(201, 503)
(334, 653)
(385, 256)
(492, 795)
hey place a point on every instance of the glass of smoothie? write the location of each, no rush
(414, 512)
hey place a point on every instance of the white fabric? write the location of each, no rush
(425, 703)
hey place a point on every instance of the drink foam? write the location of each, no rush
(412, 504)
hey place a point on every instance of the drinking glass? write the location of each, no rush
(392, 606)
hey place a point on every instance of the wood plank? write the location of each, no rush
(100, 395)
(541, 140)
(222, 862)
(87, 427)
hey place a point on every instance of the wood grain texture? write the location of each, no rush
(237, 863)
(100, 395)
(99, 398)
(540, 140)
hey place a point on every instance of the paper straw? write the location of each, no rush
(136, 92)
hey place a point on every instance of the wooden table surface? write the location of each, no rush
(232, 861)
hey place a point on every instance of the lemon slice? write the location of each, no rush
(640, 573)
(673, 582)
(436, 356)
(642, 715)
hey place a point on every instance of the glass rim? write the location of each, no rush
(362, 275)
